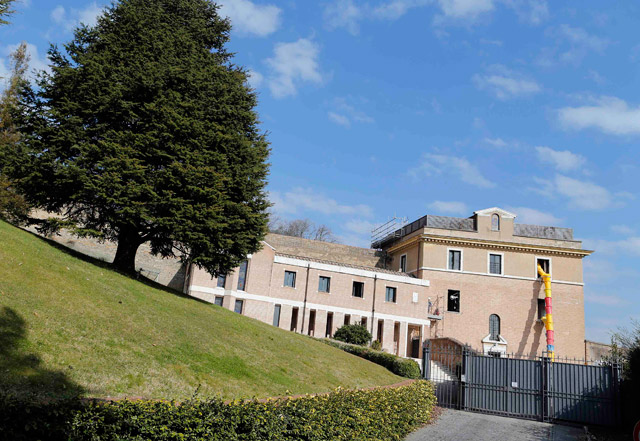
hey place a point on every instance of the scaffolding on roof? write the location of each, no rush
(389, 230)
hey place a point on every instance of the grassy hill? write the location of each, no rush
(68, 325)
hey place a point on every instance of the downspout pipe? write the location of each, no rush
(548, 309)
(304, 305)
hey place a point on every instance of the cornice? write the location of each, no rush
(493, 245)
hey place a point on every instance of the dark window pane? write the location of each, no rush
(390, 295)
(494, 327)
(242, 275)
(290, 279)
(222, 280)
(358, 289)
(495, 264)
(324, 284)
(403, 263)
(454, 260)
(276, 315)
(239, 305)
(453, 301)
(218, 300)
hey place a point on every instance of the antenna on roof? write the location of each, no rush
(387, 231)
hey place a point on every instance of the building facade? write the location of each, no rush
(473, 280)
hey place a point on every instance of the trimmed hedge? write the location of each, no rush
(340, 415)
(356, 334)
(398, 365)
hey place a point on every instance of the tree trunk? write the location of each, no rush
(128, 244)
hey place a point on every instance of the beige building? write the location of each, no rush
(470, 279)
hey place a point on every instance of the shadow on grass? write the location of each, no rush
(108, 266)
(22, 373)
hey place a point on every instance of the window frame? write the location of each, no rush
(449, 291)
(542, 311)
(235, 306)
(403, 270)
(222, 277)
(449, 250)
(220, 298)
(353, 286)
(328, 291)
(276, 318)
(284, 282)
(489, 254)
(395, 294)
(244, 277)
(495, 216)
(535, 260)
(491, 326)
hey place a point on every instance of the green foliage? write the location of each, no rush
(626, 348)
(376, 345)
(355, 334)
(146, 131)
(378, 414)
(398, 365)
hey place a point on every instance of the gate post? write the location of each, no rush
(463, 377)
(426, 360)
(546, 388)
(615, 385)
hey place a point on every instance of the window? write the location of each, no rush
(312, 322)
(324, 284)
(455, 260)
(403, 263)
(290, 279)
(276, 315)
(294, 320)
(222, 280)
(218, 300)
(239, 306)
(453, 301)
(347, 319)
(390, 295)
(380, 330)
(545, 264)
(363, 321)
(242, 275)
(542, 309)
(495, 222)
(358, 289)
(329, 330)
(495, 264)
(494, 327)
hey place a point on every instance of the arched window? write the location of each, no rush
(494, 327)
(495, 222)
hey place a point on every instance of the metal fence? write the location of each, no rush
(533, 388)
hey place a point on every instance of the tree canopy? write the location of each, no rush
(145, 130)
(301, 228)
(5, 10)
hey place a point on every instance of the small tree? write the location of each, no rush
(146, 132)
(356, 334)
(301, 228)
(13, 207)
(5, 10)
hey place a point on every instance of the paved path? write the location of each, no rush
(458, 425)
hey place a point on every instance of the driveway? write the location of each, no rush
(458, 425)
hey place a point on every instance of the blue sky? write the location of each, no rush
(407, 107)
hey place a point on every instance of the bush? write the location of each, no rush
(355, 334)
(340, 415)
(376, 345)
(398, 365)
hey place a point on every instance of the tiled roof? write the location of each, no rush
(332, 262)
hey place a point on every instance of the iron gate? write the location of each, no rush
(532, 388)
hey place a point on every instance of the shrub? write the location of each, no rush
(376, 345)
(398, 365)
(355, 334)
(340, 415)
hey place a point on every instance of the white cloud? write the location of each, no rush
(339, 119)
(595, 77)
(608, 114)
(72, 18)
(250, 18)
(360, 226)
(449, 207)
(629, 246)
(604, 271)
(505, 83)
(465, 9)
(307, 200)
(581, 195)
(572, 45)
(291, 64)
(496, 142)
(343, 14)
(254, 78)
(625, 230)
(344, 113)
(562, 160)
(532, 216)
(433, 164)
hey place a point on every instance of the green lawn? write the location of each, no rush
(68, 325)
